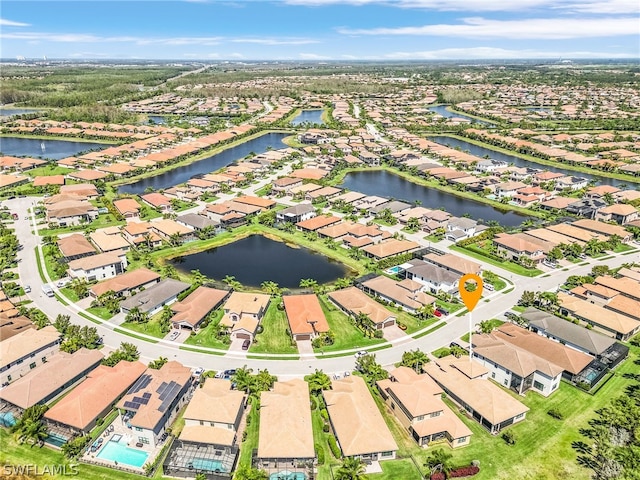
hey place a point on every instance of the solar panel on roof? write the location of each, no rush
(133, 405)
(169, 396)
(160, 390)
(141, 383)
(146, 395)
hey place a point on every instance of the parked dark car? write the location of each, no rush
(245, 344)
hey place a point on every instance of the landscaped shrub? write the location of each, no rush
(464, 472)
(333, 445)
(509, 437)
(326, 428)
(378, 334)
(555, 413)
(324, 414)
(438, 476)
(319, 453)
(313, 402)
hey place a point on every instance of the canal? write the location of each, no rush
(442, 110)
(209, 164)
(479, 151)
(387, 184)
(256, 259)
(46, 149)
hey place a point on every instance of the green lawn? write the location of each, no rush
(347, 335)
(506, 265)
(495, 323)
(543, 444)
(152, 327)
(48, 170)
(205, 337)
(413, 323)
(14, 454)
(105, 220)
(251, 442)
(101, 312)
(518, 308)
(274, 338)
(402, 468)
(70, 294)
(320, 438)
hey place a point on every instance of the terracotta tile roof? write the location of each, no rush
(355, 301)
(285, 422)
(126, 281)
(197, 305)
(95, 395)
(358, 424)
(75, 244)
(26, 343)
(218, 392)
(303, 309)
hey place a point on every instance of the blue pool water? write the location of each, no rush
(208, 465)
(56, 440)
(288, 476)
(119, 452)
(395, 269)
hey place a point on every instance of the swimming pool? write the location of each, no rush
(119, 452)
(288, 476)
(56, 440)
(208, 465)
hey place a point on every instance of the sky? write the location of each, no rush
(319, 30)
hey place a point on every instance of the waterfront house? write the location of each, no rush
(128, 208)
(406, 293)
(158, 201)
(432, 277)
(305, 316)
(243, 312)
(296, 213)
(621, 213)
(353, 302)
(416, 401)
(453, 263)
(192, 310)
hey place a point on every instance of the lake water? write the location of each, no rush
(442, 110)
(310, 116)
(256, 259)
(48, 149)
(387, 184)
(7, 112)
(157, 119)
(207, 165)
(519, 162)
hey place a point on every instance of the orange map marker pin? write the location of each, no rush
(470, 299)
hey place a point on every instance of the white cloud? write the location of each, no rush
(312, 56)
(273, 41)
(450, 5)
(490, 53)
(538, 28)
(603, 7)
(10, 23)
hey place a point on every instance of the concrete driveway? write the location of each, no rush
(304, 347)
(236, 346)
(393, 333)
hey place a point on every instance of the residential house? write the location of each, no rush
(305, 316)
(197, 222)
(453, 263)
(75, 246)
(316, 223)
(158, 201)
(296, 213)
(98, 267)
(593, 343)
(11, 326)
(109, 240)
(154, 401)
(508, 189)
(285, 184)
(516, 248)
(465, 382)
(61, 371)
(460, 228)
(285, 438)
(605, 229)
(79, 411)
(353, 302)
(360, 430)
(621, 213)
(191, 311)
(128, 208)
(24, 351)
(86, 190)
(169, 230)
(127, 283)
(406, 293)
(243, 312)
(68, 212)
(416, 401)
(152, 299)
(389, 248)
(139, 233)
(432, 277)
(609, 322)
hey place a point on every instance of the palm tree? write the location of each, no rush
(486, 326)
(318, 381)
(170, 271)
(426, 311)
(158, 363)
(414, 359)
(342, 282)
(198, 277)
(244, 379)
(308, 283)
(351, 469)
(247, 473)
(232, 282)
(271, 288)
(439, 460)
(32, 431)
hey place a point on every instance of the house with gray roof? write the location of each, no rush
(155, 297)
(394, 206)
(197, 222)
(433, 277)
(296, 213)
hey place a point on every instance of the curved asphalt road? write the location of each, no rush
(455, 326)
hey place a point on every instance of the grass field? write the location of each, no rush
(205, 337)
(347, 335)
(543, 448)
(152, 327)
(274, 337)
(506, 265)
